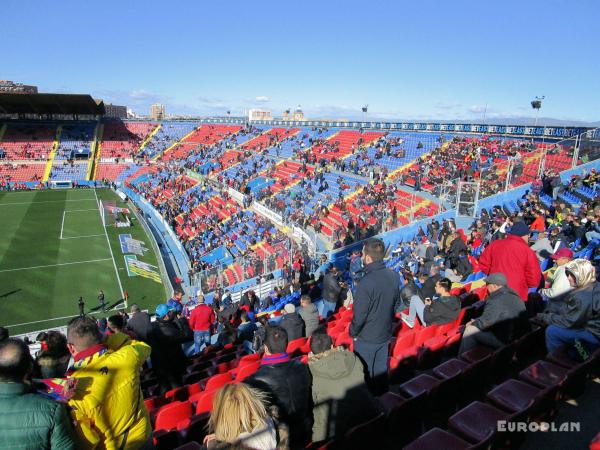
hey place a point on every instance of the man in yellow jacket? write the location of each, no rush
(107, 408)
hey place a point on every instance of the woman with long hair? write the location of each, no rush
(239, 418)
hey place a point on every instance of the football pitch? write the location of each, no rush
(54, 248)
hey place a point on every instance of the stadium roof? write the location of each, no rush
(50, 104)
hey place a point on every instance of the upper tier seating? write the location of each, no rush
(123, 139)
(21, 142)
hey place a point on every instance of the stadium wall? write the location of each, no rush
(163, 234)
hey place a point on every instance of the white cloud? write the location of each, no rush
(262, 99)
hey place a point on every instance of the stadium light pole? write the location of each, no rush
(537, 105)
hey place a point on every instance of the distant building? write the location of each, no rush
(259, 114)
(297, 115)
(8, 87)
(157, 111)
(115, 111)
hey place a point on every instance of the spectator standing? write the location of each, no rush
(331, 291)
(286, 383)
(375, 301)
(175, 302)
(246, 329)
(309, 314)
(139, 323)
(542, 247)
(292, 323)
(108, 407)
(250, 299)
(101, 300)
(28, 420)
(168, 358)
(201, 322)
(513, 258)
(503, 319)
(340, 397)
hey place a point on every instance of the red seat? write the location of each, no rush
(169, 416)
(477, 422)
(450, 369)
(514, 395)
(422, 384)
(217, 381)
(404, 342)
(476, 354)
(180, 394)
(246, 371)
(595, 444)
(296, 344)
(544, 374)
(437, 438)
(424, 334)
(205, 401)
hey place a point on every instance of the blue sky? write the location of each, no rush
(407, 60)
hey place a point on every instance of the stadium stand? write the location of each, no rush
(27, 142)
(123, 139)
(21, 172)
(440, 395)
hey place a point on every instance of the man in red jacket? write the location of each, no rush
(201, 321)
(513, 257)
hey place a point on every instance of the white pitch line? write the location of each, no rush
(56, 265)
(79, 237)
(77, 210)
(47, 201)
(61, 318)
(110, 248)
(62, 225)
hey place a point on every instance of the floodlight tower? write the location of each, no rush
(364, 110)
(537, 105)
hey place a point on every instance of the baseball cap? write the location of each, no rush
(162, 310)
(563, 253)
(496, 278)
(519, 229)
(289, 308)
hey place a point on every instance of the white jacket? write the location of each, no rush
(560, 284)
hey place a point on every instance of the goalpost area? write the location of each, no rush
(58, 245)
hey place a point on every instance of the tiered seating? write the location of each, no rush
(14, 172)
(405, 204)
(205, 135)
(292, 145)
(343, 144)
(166, 136)
(279, 177)
(64, 171)
(75, 141)
(403, 148)
(110, 171)
(269, 139)
(23, 142)
(123, 139)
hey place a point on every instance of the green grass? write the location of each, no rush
(53, 249)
